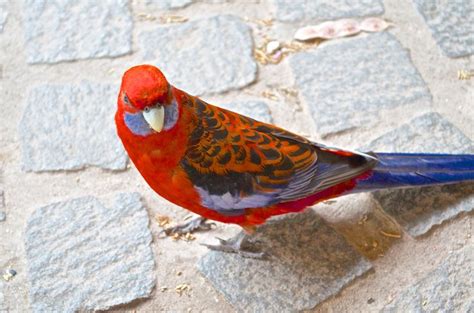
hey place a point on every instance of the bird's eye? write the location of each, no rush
(147, 109)
(126, 99)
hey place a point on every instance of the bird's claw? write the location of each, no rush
(240, 246)
(193, 225)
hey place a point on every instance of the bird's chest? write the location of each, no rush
(165, 175)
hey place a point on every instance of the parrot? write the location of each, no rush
(230, 168)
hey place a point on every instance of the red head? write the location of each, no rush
(146, 102)
(144, 86)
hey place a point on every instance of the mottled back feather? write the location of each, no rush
(236, 162)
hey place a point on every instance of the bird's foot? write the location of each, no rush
(195, 224)
(239, 245)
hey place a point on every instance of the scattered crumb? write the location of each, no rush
(363, 219)
(261, 22)
(188, 237)
(370, 300)
(184, 237)
(172, 19)
(264, 22)
(272, 51)
(165, 19)
(179, 273)
(182, 288)
(145, 17)
(291, 92)
(163, 220)
(163, 289)
(465, 75)
(269, 95)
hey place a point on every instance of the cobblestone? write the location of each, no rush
(451, 23)
(3, 305)
(85, 256)
(69, 127)
(341, 82)
(194, 52)
(3, 14)
(255, 109)
(419, 209)
(169, 4)
(309, 263)
(58, 31)
(3, 215)
(318, 10)
(449, 288)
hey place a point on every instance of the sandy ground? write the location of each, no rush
(403, 265)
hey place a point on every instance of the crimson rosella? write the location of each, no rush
(234, 169)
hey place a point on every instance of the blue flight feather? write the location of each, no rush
(398, 170)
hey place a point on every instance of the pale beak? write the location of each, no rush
(155, 117)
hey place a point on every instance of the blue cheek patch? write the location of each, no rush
(137, 124)
(171, 115)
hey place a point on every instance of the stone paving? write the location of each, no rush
(419, 209)
(3, 14)
(320, 10)
(203, 52)
(449, 288)
(342, 91)
(307, 266)
(49, 128)
(87, 251)
(52, 35)
(257, 109)
(3, 215)
(83, 255)
(451, 25)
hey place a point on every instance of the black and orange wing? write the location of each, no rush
(236, 162)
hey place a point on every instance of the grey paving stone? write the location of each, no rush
(449, 288)
(68, 30)
(347, 84)
(169, 4)
(318, 10)
(3, 215)
(203, 56)
(256, 109)
(3, 14)
(451, 23)
(66, 127)
(3, 304)
(309, 262)
(419, 209)
(82, 255)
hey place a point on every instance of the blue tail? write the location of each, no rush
(398, 170)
